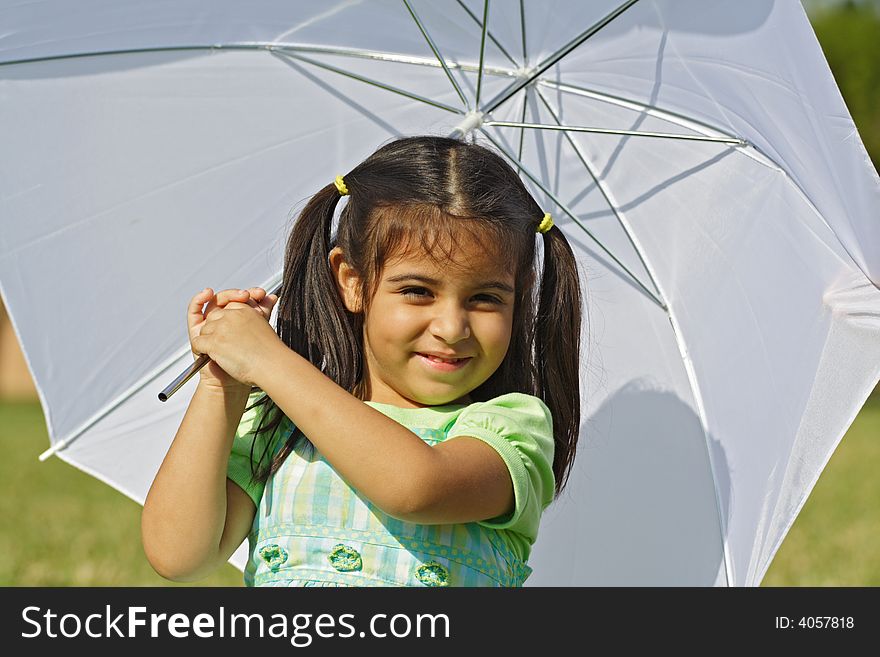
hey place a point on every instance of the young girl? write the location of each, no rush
(418, 407)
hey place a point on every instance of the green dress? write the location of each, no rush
(312, 529)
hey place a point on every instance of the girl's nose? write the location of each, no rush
(451, 326)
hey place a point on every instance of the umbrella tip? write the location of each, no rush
(472, 120)
(49, 452)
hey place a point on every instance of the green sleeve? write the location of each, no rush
(520, 428)
(239, 469)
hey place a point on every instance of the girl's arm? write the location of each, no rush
(193, 517)
(463, 480)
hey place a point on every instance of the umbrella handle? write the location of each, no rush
(188, 373)
(183, 377)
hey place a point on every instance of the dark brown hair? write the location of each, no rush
(420, 192)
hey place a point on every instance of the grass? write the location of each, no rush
(61, 527)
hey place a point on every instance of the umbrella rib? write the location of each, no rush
(652, 110)
(482, 50)
(605, 193)
(395, 57)
(436, 52)
(608, 131)
(522, 23)
(489, 33)
(375, 83)
(127, 51)
(269, 46)
(522, 133)
(556, 56)
(574, 218)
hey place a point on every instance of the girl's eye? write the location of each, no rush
(423, 293)
(412, 292)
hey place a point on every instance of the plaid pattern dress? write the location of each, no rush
(312, 529)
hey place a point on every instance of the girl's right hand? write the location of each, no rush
(212, 374)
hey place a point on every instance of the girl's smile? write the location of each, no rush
(444, 365)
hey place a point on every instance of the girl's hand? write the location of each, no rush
(212, 374)
(237, 337)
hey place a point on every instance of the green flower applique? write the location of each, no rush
(274, 556)
(345, 558)
(433, 574)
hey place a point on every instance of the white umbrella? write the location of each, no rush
(710, 178)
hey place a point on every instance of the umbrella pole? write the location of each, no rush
(183, 377)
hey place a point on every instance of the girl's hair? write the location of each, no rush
(417, 194)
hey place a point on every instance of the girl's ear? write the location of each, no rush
(347, 280)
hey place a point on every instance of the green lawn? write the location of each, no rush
(61, 527)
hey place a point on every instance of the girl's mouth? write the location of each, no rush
(441, 364)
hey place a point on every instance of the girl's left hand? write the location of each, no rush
(240, 341)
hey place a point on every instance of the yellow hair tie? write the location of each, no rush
(546, 223)
(340, 185)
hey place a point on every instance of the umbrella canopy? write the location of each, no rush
(697, 155)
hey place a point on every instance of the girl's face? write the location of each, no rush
(464, 310)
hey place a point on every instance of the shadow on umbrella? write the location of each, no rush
(641, 439)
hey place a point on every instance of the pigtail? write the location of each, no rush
(312, 319)
(557, 348)
(309, 292)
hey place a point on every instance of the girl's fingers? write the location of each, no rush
(269, 301)
(258, 298)
(195, 342)
(267, 304)
(258, 307)
(255, 297)
(226, 296)
(237, 304)
(194, 309)
(257, 293)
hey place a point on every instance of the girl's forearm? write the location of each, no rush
(185, 511)
(376, 455)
